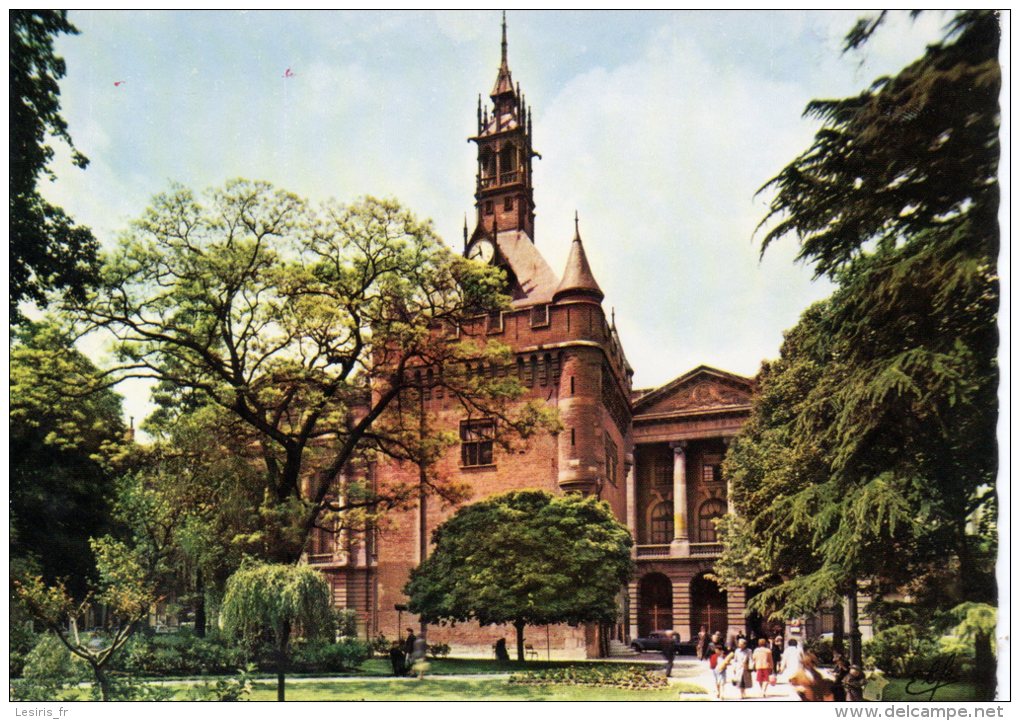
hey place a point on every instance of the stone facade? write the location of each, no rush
(653, 455)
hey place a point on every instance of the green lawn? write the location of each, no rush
(458, 690)
(959, 691)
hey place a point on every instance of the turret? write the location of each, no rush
(578, 281)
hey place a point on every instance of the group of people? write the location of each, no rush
(408, 657)
(761, 663)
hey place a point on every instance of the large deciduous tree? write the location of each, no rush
(67, 445)
(309, 329)
(872, 443)
(524, 558)
(47, 250)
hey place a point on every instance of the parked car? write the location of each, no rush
(653, 642)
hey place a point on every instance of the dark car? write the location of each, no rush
(653, 642)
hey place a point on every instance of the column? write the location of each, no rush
(628, 465)
(681, 540)
(632, 620)
(729, 486)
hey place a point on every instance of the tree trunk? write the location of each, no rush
(281, 662)
(838, 629)
(519, 625)
(199, 604)
(103, 681)
(856, 655)
(984, 667)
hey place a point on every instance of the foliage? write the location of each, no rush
(50, 660)
(123, 589)
(626, 677)
(872, 445)
(524, 557)
(274, 313)
(237, 688)
(325, 657)
(278, 601)
(346, 621)
(904, 652)
(178, 654)
(47, 250)
(821, 647)
(381, 645)
(439, 650)
(66, 447)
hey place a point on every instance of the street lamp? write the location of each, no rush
(399, 608)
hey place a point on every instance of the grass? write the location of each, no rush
(957, 691)
(481, 689)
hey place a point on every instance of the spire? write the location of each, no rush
(577, 278)
(465, 231)
(504, 83)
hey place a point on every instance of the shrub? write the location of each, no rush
(227, 689)
(902, 651)
(48, 659)
(381, 645)
(181, 653)
(346, 620)
(439, 650)
(821, 647)
(319, 657)
(627, 677)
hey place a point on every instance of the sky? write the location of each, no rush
(658, 128)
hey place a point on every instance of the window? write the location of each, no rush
(495, 322)
(662, 523)
(662, 470)
(508, 203)
(488, 207)
(476, 442)
(710, 510)
(539, 316)
(611, 459)
(711, 474)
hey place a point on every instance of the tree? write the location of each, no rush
(524, 557)
(67, 446)
(873, 442)
(278, 600)
(48, 251)
(124, 590)
(278, 314)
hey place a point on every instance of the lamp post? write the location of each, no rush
(399, 608)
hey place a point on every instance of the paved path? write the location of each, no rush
(690, 670)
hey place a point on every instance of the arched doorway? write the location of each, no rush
(655, 603)
(758, 625)
(708, 606)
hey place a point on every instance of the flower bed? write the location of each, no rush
(626, 677)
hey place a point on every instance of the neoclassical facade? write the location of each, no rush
(654, 455)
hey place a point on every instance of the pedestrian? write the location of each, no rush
(668, 651)
(716, 639)
(777, 652)
(418, 663)
(762, 659)
(718, 660)
(701, 647)
(791, 663)
(808, 682)
(854, 683)
(397, 659)
(840, 669)
(501, 652)
(740, 667)
(409, 648)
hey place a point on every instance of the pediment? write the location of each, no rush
(703, 389)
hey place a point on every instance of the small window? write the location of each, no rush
(611, 459)
(711, 474)
(488, 207)
(508, 203)
(539, 316)
(495, 322)
(476, 438)
(662, 523)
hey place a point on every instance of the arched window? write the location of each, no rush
(508, 158)
(662, 523)
(710, 510)
(487, 161)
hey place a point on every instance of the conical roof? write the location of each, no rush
(578, 278)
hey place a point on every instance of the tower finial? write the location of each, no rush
(504, 39)
(465, 230)
(577, 227)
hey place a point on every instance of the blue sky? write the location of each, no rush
(657, 127)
